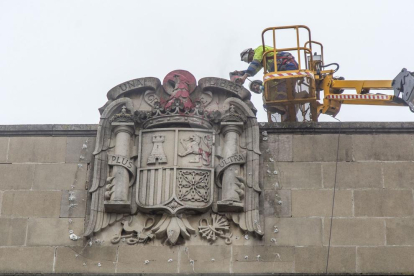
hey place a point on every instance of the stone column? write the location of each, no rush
(230, 199)
(123, 135)
(119, 201)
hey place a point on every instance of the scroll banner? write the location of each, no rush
(118, 160)
(225, 162)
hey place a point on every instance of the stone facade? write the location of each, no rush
(46, 172)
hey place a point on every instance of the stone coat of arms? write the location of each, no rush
(167, 153)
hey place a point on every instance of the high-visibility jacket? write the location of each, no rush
(284, 63)
(258, 53)
(256, 64)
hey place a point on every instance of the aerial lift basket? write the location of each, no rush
(296, 94)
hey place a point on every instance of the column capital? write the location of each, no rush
(231, 127)
(123, 127)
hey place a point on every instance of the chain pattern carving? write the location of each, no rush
(193, 186)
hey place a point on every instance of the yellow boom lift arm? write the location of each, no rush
(295, 94)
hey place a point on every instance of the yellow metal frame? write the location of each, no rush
(290, 102)
(270, 76)
(297, 48)
(323, 80)
(362, 85)
(310, 44)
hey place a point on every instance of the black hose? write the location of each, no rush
(337, 66)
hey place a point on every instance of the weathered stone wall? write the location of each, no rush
(39, 167)
(372, 228)
(45, 170)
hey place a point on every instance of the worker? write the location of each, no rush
(285, 62)
(256, 86)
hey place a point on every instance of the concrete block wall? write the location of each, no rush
(41, 167)
(372, 171)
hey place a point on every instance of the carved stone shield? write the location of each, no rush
(175, 170)
(166, 169)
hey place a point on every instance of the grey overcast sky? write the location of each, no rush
(58, 59)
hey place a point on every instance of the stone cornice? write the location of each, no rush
(49, 130)
(338, 127)
(89, 130)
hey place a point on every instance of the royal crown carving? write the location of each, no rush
(169, 155)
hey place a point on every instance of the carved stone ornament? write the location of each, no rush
(166, 154)
(218, 228)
